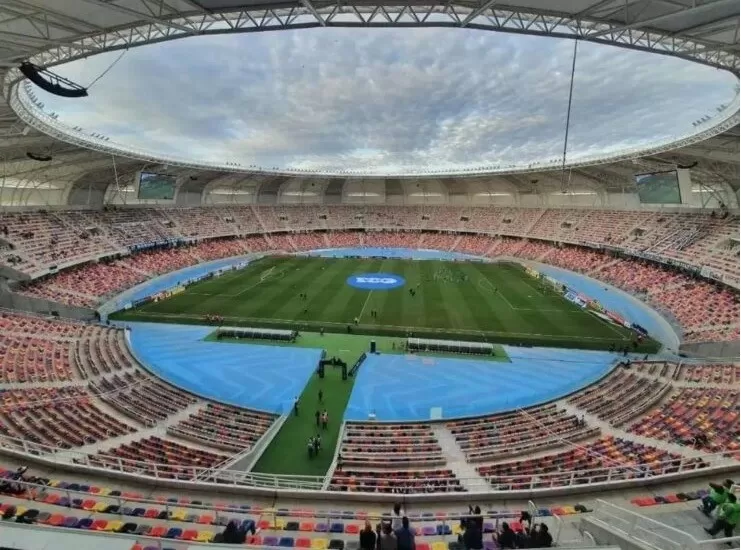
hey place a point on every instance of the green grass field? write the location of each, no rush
(467, 300)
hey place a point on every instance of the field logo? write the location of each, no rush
(376, 281)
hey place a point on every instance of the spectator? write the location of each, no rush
(368, 537)
(234, 533)
(505, 537)
(396, 517)
(404, 536)
(728, 515)
(718, 495)
(472, 536)
(475, 511)
(540, 537)
(387, 539)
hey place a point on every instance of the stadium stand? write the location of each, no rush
(592, 461)
(376, 445)
(702, 418)
(497, 436)
(711, 317)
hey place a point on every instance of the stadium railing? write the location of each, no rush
(21, 536)
(188, 476)
(648, 531)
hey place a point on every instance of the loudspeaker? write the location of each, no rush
(373, 346)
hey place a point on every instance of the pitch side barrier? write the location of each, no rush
(310, 487)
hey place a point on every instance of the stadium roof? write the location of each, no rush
(52, 32)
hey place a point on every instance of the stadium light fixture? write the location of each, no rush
(51, 82)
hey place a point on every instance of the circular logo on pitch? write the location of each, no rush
(376, 281)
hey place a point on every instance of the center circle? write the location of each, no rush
(376, 281)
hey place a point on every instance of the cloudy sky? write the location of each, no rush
(386, 100)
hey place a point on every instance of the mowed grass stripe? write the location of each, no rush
(522, 310)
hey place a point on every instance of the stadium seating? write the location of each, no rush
(224, 427)
(622, 457)
(373, 445)
(696, 239)
(497, 436)
(620, 396)
(58, 417)
(395, 481)
(160, 457)
(704, 418)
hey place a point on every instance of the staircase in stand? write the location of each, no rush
(466, 473)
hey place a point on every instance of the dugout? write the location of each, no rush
(449, 346)
(256, 333)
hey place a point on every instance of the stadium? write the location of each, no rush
(360, 276)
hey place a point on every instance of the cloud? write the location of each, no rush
(386, 100)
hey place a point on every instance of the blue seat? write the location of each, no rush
(444, 529)
(85, 523)
(337, 528)
(286, 542)
(173, 533)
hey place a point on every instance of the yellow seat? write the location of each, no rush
(54, 483)
(205, 536)
(104, 491)
(439, 545)
(178, 515)
(278, 525)
(322, 544)
(457, 528)
(100, 507)
(114, 525)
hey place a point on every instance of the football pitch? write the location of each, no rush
(496, 302)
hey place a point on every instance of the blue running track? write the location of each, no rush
(257, 377)
(406, 388)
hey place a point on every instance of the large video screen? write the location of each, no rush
(156, 186)
(659, 188)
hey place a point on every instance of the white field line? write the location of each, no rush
(365, 304)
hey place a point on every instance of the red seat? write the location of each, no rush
(306, 543)
(157, 531)
(189, 534)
